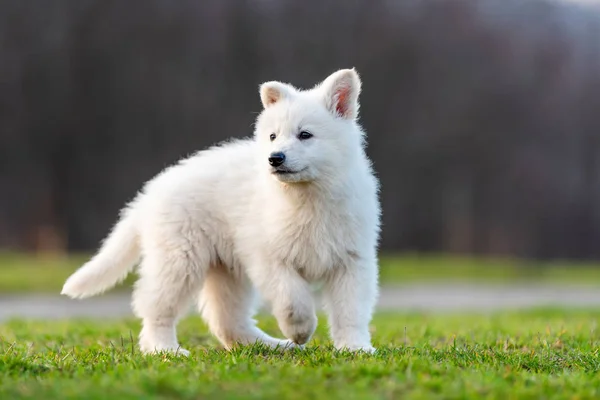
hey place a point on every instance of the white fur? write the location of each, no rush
(222, 224)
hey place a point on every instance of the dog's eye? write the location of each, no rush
(272, 137)
(304, 135)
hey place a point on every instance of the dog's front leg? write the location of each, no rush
(291, 300)
(350, 294)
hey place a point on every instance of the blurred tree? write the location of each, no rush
(481, 114)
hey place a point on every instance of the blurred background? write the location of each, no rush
(483, 116)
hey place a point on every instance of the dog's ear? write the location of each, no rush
(341, 90)
(272, 92)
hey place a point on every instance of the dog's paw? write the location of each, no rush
(298, 328)
(172, 350)
(368, 349)
(287, 345)
(181, 352)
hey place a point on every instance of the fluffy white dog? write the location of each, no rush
(295, 204)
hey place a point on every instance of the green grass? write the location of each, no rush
(25, 273)
(543, 354)
(427, 268)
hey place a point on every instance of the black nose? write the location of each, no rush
(276, 159)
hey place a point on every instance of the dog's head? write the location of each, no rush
(308, 135)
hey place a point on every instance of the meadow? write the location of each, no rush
(526, 354)
(551, 354)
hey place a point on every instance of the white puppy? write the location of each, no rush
(295, 204)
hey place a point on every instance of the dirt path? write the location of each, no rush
(427, 297)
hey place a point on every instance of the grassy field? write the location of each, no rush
(543, 354)
(22, 273)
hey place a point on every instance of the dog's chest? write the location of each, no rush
(314, 242)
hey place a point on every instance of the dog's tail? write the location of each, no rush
(118, 255)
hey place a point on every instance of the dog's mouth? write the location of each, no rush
(286, 171)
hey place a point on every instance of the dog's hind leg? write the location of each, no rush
(168, 281)
(227, 304)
